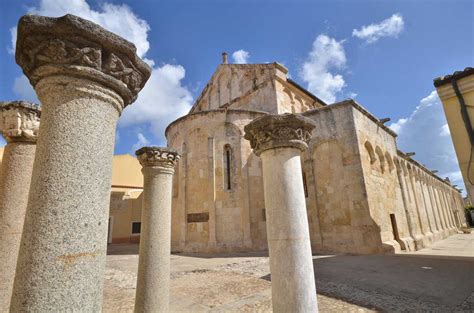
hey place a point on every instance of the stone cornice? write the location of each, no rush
(422, 168)
(19, 121)
(277, 131)
(358, 107)
(157, 157)
(70, 45)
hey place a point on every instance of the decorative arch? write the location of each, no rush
(370, 150)
(381, 158)
(388, 157)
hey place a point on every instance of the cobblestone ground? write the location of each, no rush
(241, 282)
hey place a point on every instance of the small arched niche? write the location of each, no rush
(370, 151)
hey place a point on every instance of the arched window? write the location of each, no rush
(227, 167)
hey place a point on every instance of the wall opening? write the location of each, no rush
(396, 235)
(136, 228)
(227, 167)
(305, 185)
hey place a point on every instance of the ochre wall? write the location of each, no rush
(125, 198)
(457, 128)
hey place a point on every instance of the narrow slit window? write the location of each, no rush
(227, 167)
(305, 186)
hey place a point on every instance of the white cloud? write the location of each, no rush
(13, 32)
(164, 97)
(444, 131)
(424, 132)
(117, 18)
(390, 27)
(141, 142)
(326, 54)
(162, 100)
(240, 56)
(23, 89)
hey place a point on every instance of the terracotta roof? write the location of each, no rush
(442, 80)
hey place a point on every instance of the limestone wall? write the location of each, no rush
(362, 194)
(378, 150)
(207, 214)
(242, 86)
(261, 87)
(337, 207)
(412, 206)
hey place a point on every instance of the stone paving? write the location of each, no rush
(424, 281)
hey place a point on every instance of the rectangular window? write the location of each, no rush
(136, 227)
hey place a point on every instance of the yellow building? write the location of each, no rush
(456, 91)
(125, 200)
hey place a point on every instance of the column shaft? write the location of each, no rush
(17, 165)
(293, 285)
(62, 256)
(279, 141)
(152, 294)
(84, 76)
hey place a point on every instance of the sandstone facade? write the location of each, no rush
(363, 195)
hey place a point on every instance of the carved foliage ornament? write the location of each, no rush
(19, 121)
(69, 41)
(157, 156)
(275, 131)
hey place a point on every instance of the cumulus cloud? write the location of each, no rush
(164, 97)
(117, 18)
(142, 141)
(240, 56)
(23, 89)
(424, 132)
(390, 27)
(326, 54)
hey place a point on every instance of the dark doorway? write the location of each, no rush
(393, 220)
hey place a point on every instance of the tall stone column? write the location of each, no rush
(19, 124)
(152, 293)
(279, 140)
(84, 76)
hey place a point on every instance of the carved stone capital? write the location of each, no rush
(276, 131)
(19, 121)
(73, 46)
(157, 157)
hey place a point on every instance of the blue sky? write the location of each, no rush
(383, 53)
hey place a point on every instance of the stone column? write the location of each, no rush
(152, 293)
(84, 76)
(19, 123)
(279, 140)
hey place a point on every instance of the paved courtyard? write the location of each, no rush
(437, 279)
